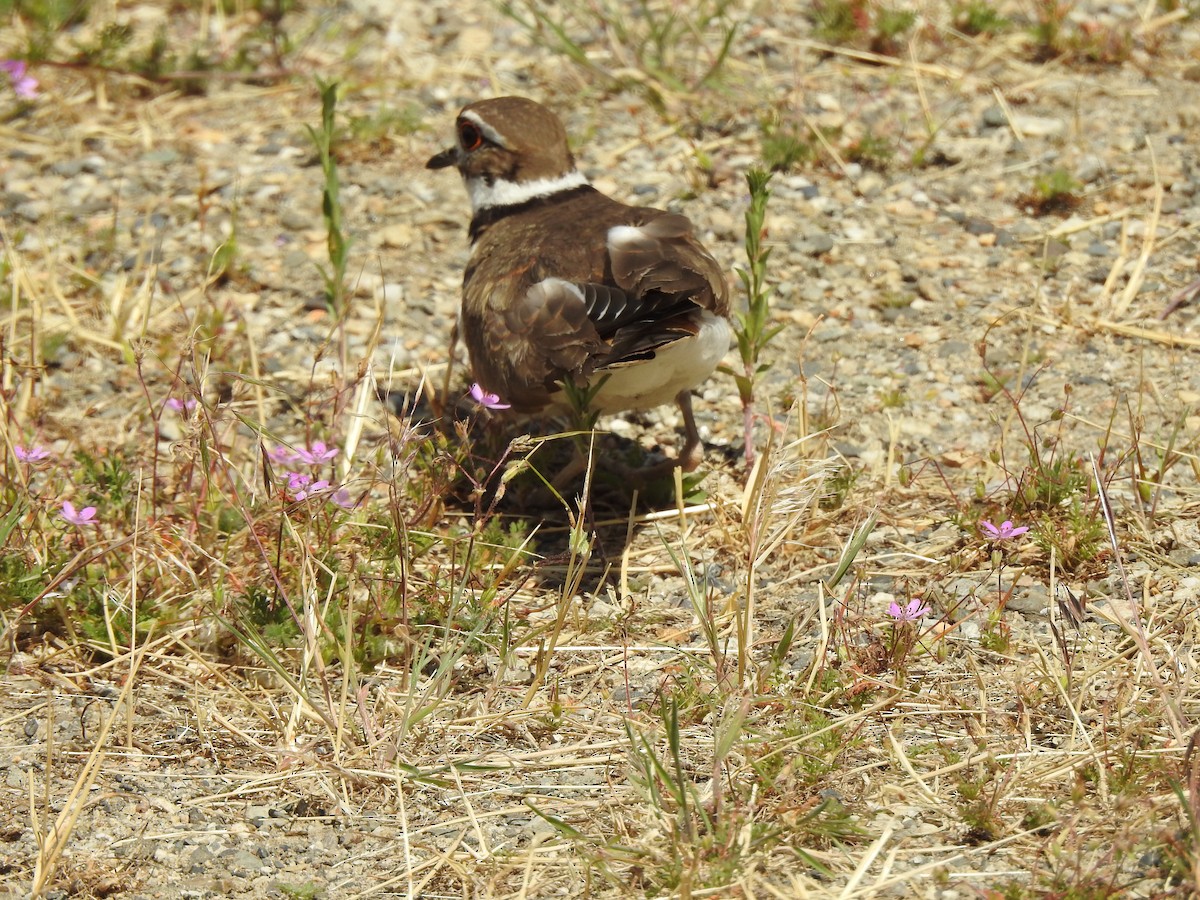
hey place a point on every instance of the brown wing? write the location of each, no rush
(665, 277)
(661, 259)
(538, 340)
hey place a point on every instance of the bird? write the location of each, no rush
(566, 287)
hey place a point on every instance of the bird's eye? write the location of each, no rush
(469, 136)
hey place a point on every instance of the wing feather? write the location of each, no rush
(656, 280)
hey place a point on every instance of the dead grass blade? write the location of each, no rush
(53, 842)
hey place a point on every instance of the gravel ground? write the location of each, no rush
(906, 291)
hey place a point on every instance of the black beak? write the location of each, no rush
(443, 160)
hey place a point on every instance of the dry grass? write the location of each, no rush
(447, 690)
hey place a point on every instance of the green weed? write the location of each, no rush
(753, 328)
(336, 241)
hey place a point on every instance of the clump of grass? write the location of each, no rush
(839, 486)
(1049, 20)
(870, 151)
(73, 34)
(674, 48)
(1074, 534)
(823, 746)
(378, 127)
(706, 842)
(1181, 840)
(784, 147)
(1053, 192)
(787, 146)
(979, 801)
(976, 17)
(45, 20)
(868, 24)
(1152, 458)
(1057, 36)
(1052, 490)
(1103, 45)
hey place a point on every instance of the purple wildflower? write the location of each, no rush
(181, 406)
(910, 612)
(316, 454)
(301, 486)
(23, 85)
(1005, 532)
(30, 454)
(282, 455)
(297, 481)
(317, 487)
(78, 517)
(486, 398)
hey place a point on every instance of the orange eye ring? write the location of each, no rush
(469, 136)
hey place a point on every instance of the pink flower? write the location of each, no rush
(23, 85)
(1005, 532)
(30, 454)
(316, 454)
(317, 487)
(78, 517)
(487, 399)
(181, 406)
(341, 497)
(297, 481)
(282, 455)
(302, 486)
(910, 612)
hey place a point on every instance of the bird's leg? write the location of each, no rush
(688, 459)
(572, 470)
(692, 453)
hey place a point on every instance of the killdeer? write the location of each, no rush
(565, 284)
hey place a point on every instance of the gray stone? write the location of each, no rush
(33, 210)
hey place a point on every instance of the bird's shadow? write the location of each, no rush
(510, 473)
